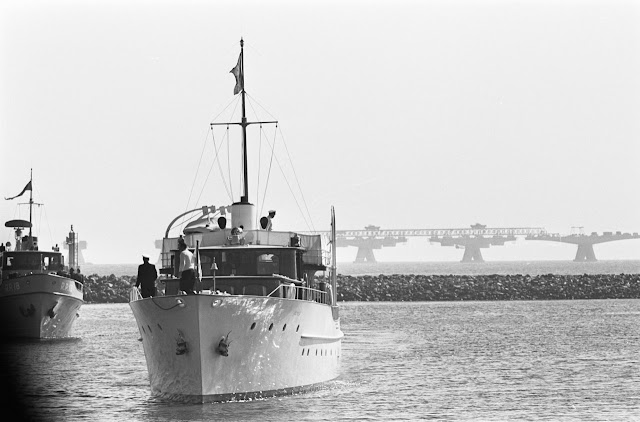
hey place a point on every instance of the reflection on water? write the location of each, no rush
(546, 360)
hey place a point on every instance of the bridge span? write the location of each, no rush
(585, 242)
(471, 239)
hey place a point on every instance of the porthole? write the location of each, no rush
(316, 352)
(149, 329)
(308, 352)
(253, 326)
(297, 328)
(284, 327)
(270, 326)
(143, 330)
(160, 326)
(302, 352)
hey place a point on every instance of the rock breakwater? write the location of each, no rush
(107, 289)
(403, 287)
(409, 287)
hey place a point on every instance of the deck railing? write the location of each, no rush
(134, 294)
(291, 291)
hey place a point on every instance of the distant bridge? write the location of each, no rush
(471, 239)
(585, 242)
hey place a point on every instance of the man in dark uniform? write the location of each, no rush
(147, 276)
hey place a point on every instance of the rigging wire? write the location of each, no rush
(184, 219)
(310, 226)
(261, 205)
(195, 177)
(211, 168)
(297, 180)
(229, 163)
(273, 156)
(308, 214)
(236, 100)
(40, 216)
(266, 184)
(46, 218)
(227, 185)
(259, 167)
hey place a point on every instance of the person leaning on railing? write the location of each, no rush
(187, 269)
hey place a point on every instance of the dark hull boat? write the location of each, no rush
(39, 297)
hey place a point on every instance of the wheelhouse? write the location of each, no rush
(32, 260)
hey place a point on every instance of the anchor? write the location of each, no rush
(223, 345)
(181, 344)
(29, 311)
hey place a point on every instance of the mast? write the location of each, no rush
(238, 72)
(245, 198)
(30, 203)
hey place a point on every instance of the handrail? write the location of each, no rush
(274, 290)
(134, 294)
(306, 293)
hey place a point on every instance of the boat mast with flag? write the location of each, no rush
(261, 322)
(38, 296)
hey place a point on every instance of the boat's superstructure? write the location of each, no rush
(260, 324)
(39, 298)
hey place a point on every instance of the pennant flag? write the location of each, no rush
(26, 188)
(237, 72)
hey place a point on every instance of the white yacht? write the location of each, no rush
(260, 324)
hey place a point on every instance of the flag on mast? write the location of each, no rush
(26, 188)
(237, 72)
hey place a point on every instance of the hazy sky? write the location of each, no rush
(401, 114)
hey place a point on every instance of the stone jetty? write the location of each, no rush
(409, 287)
(404, 287)
(107, 289)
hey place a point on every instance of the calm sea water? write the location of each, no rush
(454, 361)
(501, 267)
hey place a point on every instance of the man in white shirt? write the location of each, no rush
(187, 269)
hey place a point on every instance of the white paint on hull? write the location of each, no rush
(276, 346)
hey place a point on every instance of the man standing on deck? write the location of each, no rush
(147, 275)
(187, 269)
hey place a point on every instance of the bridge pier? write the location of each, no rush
(365, 254)
(472, 253)
(585, 253)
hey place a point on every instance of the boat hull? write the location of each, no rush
(39, 306)
(276, 346)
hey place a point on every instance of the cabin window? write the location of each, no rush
(268, 264)
(205, 262)
(31, 261)
(263, 262)
(288, 264)
(52, 262)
